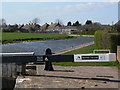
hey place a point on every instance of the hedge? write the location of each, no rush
(107, 40)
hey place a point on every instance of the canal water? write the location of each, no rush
(39, 47)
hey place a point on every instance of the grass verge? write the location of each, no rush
(115, 63)
(85, 50)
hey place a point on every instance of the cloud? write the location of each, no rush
(60, 0)
(82, 7)
(51, 11)
(71, 11)
(114, 0)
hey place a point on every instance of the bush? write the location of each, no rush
(99, 40)
(114, 41)
(107, 40)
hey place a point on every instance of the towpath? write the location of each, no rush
(64, 78)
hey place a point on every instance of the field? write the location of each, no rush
(18, 37)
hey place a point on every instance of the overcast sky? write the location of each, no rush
(47, 12)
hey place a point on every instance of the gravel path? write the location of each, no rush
(71, 77)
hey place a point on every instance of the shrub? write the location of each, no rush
(114, 41)
(107, 40)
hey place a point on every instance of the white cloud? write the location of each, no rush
(114, 0)
(70, 10)
(60, 0)
(82, 6)
(67, 11)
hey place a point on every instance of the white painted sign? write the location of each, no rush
(94, 57)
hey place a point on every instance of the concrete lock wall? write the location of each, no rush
(118, 53)
(11, 69)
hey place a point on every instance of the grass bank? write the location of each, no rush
(115, 63)
(83, 34)
(85, 50)
(22, 37)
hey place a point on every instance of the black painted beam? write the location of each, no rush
(43, 58)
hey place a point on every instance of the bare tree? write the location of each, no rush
(2, 22)
(36, 20)
(58, 21)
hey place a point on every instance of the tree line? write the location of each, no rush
(13, 28)
(77, 23)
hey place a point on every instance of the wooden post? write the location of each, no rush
(118, 53)
(23, 72)
(21, 69)
(14, 70)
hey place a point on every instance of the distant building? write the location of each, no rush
(70, 29)
(54, 27)
(29, 27)
(44, 27)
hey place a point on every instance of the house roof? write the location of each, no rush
(45, 26)
(118, 23)
(28, 26)
(52, 25)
